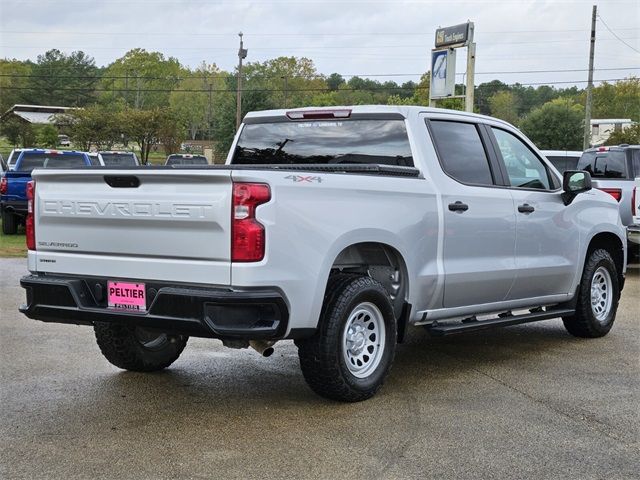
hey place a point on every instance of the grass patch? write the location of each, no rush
(13, 245)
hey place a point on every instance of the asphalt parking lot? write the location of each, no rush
(522, 402)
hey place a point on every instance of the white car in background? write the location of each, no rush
(563, 160)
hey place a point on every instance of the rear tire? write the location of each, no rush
(598, 296)
(350, 355)
(138, 349)
(9, 223)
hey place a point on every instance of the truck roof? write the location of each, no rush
(405, 110)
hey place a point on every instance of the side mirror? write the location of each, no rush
(573, 183)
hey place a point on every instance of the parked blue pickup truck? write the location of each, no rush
(13, 186)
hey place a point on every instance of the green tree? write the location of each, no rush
(556, 125)
(142, 79)
(19, 132)
(97, 125)
(61, 79)
(617, 100)
(504, 105)
(14, 78)
(484, 92)
(629, 135)
(334, 81)
(47, 136)
(150, 127)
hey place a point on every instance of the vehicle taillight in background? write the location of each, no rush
(247, 234)
(30, 225)
(3, 186)
(614, 192)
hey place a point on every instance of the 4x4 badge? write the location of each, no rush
(303, 178)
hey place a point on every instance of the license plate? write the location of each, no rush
(127, 296)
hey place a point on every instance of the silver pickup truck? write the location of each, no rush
(613, 170)
(337, 228)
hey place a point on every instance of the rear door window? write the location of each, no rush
(325, 142)
(461, 152)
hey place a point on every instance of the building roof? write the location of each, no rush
(598, 121)
(36, 113)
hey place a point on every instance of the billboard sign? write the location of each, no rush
(458, 35)
(443, 73)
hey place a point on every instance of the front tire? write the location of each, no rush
(9, 223)
(598, 296)
(350, 355)
(138, 349)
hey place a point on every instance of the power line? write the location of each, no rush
(612, 33)
(317, 89)
(281, 34)
(317, 47)
(308, 77)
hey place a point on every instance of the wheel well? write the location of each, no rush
(612, 244)
(380, 262)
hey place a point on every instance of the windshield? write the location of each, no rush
(606, 164)
(195, 160)
(50, 160)
(325, 142)
(118, 159)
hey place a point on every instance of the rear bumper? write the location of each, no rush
(633, 234)
(14, 206)
(185, 310)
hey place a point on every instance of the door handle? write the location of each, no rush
(458, 207)
(526, 208)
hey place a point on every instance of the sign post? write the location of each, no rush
(443, 63)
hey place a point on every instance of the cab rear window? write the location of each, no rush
(46, 160)
(382, 142)
(118, 159)
(606, 164)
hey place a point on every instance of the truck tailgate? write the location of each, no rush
(175, 225)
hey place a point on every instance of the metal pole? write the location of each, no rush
(471, 66)
(210, 115)
(586, 141)
(286, 90)
(242, 53)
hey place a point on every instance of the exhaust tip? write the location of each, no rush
(267, 352)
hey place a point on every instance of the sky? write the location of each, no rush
(382, 39)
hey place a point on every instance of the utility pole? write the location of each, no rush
(242, 54)
(586, 141)
(471, 68)
(286, 90)
(210, 115)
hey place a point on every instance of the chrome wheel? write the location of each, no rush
(601, 294)
(363, 340)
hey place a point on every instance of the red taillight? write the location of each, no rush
(247, 234)
(614, 192)
(30, 225)
(3, 186)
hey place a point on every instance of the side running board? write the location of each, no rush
(506, 320)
